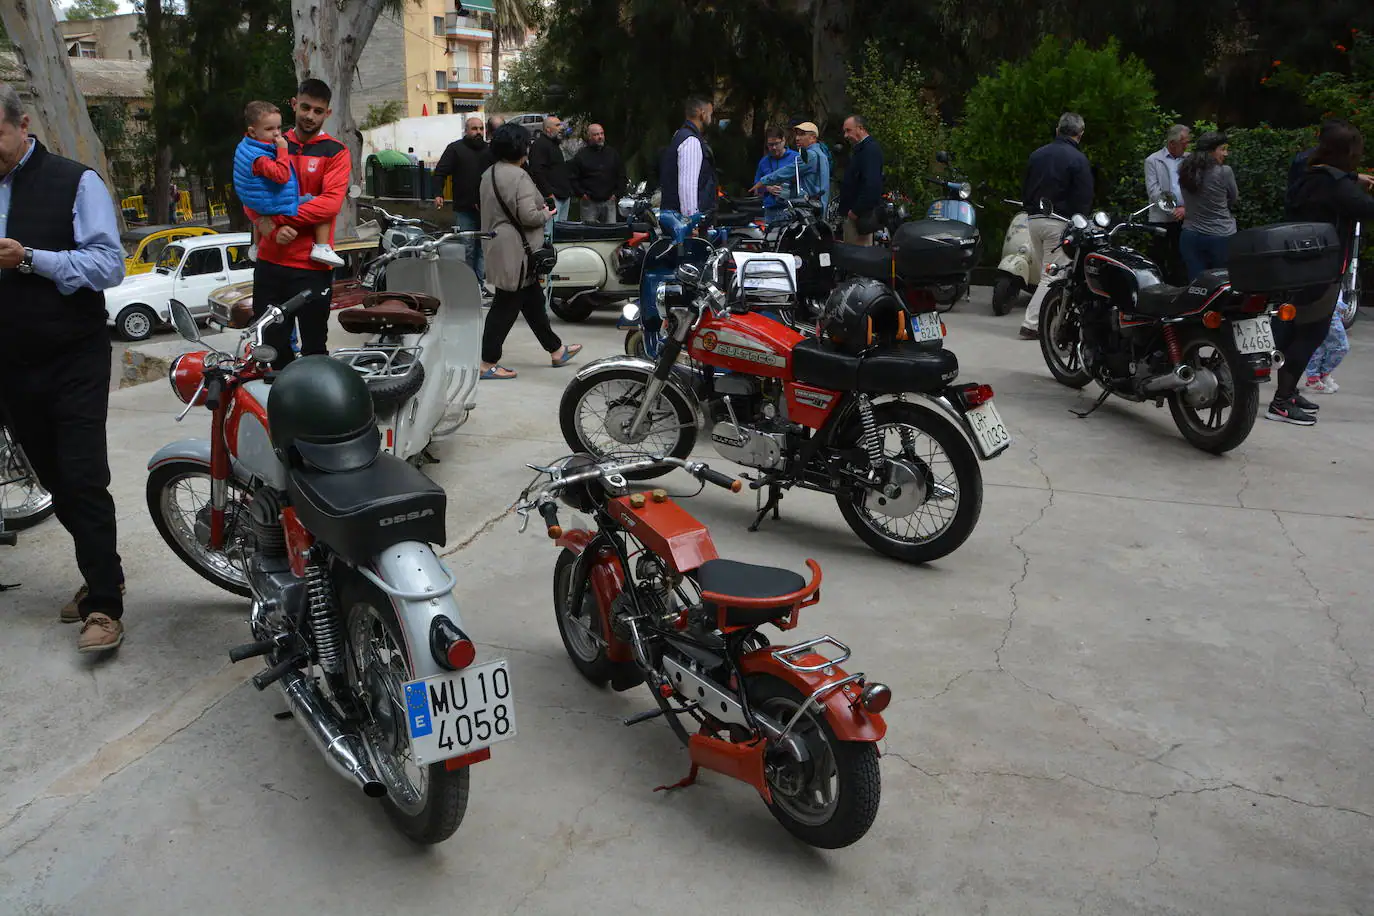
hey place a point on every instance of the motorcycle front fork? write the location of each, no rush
(667, 358)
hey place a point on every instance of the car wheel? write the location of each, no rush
(136, 322)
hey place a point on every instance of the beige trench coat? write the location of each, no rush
(506, 262)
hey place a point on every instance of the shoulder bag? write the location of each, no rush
(539, 261)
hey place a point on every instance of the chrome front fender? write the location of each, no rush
(619, 362)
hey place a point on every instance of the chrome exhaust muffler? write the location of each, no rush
(1181, 377)
(343, 751)
(1277, 359)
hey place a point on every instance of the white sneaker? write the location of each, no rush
(326, 255)
(1321, 386)
(252, 252)
(1331, 386)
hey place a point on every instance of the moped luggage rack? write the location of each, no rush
(763, 281)
(378, 362)
(785, 656)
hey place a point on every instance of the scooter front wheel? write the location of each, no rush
(1004, 295)
(596, 412)
(570, 311)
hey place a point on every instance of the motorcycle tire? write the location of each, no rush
(586, 650)
(634, 344)
(571, 312)
(1350, 308)
(683, 417)
(393, 391)
(446, 792)
(15, 467)
(1245, 398)
(853, 764)
(211, 567)
(1004, 295)
(1067, 369)
(968, 477)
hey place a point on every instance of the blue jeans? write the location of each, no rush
(1202, 252)
(466, 221)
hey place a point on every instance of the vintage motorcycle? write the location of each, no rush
(804, 411)
(1109, 317)
(23, 500)
(292, 502)
(642, 597)
(1349, 304)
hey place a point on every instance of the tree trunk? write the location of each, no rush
(155, 24)
(58, 114)
(329, 40)
(495, 64)
(830, 32)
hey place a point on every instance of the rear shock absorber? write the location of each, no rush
(325, 625)
(872, 443)
(1171, 341)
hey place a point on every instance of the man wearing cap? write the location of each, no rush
(809, 175)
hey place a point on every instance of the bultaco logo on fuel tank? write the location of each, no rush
(709, 341)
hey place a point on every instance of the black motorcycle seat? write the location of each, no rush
(862, 260)
(730, 578)
(361, 513)
(910, 367)
(590, 232)
(1164, 301)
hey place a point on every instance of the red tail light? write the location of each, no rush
(876, 696)
(461, 654)
(975, 395)
(1255, 303)
(449, 645)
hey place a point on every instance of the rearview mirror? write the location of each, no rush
(1101, 219)
(184, 323)
(1079, 221)
(1166, 203)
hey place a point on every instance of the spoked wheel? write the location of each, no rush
(1217, 411)
(928, 494)
(1349, 305)
(425, 802)
(1059, 340)
(596, 413)
(179, 502)
(831, 800)
(23, 501)
(579, 626)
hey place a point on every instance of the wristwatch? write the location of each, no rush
(26, 265)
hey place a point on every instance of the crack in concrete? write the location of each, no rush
(1299, 555)
(1133, 793)
(1192, 504)
(485, 528)
(271, 787)
(1154, 835)
(1034, 459)
(1244, 479)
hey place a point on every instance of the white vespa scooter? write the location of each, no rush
(1015, 267)
(598, 265)
(422, 360)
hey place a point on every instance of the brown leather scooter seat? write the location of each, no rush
(392, 315)
(422, 303)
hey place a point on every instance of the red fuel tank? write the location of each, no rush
(745, 343)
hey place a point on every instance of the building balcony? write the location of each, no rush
(477, 27)
(470, 79)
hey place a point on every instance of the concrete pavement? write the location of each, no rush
(1142, 686)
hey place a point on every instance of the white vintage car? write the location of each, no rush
(188, 270)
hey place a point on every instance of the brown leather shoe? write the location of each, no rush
(100, 633)
(71, 611)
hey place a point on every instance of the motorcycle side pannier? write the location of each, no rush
(1285, 256)
(934, 248)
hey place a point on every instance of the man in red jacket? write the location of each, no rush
(284, 268)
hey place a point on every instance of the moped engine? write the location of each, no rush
(746, 428)
(749, 446)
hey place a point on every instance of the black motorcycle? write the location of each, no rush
(1109, 317)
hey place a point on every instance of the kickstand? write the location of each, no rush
(1084, 414)
(768, 505)
(690, 779)
(427, 457)
(5, 588)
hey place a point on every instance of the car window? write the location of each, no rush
(130, 246)
(169, 257)
(238, 257)
(203, 261)
(154, 250)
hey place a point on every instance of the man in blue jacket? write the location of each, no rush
(778, 159)
(808, 175)
(862, 189)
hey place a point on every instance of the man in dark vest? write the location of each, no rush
(687, 170)
(59, 249)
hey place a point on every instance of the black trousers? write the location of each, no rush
(505, 306)
(57, 411)
(1164, 251)
(1298, 342)
(273, 285)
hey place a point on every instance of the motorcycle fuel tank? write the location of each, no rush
(746, 343)
(1119, 274)
(246, 430)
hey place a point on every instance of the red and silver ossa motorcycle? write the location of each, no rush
(877, 422)
(643, 597)
(352, 610)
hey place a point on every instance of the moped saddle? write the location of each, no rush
(392, 316)
(421, 302)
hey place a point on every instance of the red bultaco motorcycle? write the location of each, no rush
(867, 410)
(643, 597)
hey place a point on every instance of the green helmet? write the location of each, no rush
(320, 413)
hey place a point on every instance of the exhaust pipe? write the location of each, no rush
(1181, 377)
(343, 751)
(1277, 359)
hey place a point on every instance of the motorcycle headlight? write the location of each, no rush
(965, 191)
(185, 374)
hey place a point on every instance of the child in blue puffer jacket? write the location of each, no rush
(265, 181)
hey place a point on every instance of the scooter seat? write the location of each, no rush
(870, 261)
(392, 316)
(421, 302)
(732, 579)
(590, 232)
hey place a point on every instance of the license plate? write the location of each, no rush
(928, 326)
(988, 429)
(1253, 335)
(450, 715)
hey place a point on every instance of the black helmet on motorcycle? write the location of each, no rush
(579, 497)
(321, 416)
(862, 313)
